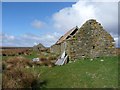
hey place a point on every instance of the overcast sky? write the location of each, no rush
(27, 24)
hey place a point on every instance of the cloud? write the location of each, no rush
(82, 11)
(69, 17)
(6, 37)
(37, 24)
(104, 0)
(48, 39)
(29, 39)
(117, 40)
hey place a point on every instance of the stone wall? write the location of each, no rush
(56, 48)
(90, 41)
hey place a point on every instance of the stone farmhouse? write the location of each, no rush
(91, 40)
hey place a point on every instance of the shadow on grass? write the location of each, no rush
(39, 84)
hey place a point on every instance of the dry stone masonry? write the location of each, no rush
(89, 41)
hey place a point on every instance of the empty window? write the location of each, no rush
(83, 55)
(93, 47)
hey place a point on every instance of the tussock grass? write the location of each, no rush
(17, 75)
(12, 62)
(18, 78)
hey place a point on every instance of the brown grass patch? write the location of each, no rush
(16, 61)
(16, 75)
(18, 78)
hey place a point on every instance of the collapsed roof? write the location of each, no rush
(69, 34)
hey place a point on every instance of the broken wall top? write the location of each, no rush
(91, 29)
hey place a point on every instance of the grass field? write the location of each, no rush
(98, 73)
(87, 73)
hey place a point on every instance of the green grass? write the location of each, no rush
(82, 74)
(79, 74)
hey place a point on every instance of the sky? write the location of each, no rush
(30, 23)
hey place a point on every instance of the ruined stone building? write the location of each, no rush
(89, 41)
(39, 47)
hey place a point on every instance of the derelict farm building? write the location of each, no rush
(90, 41)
